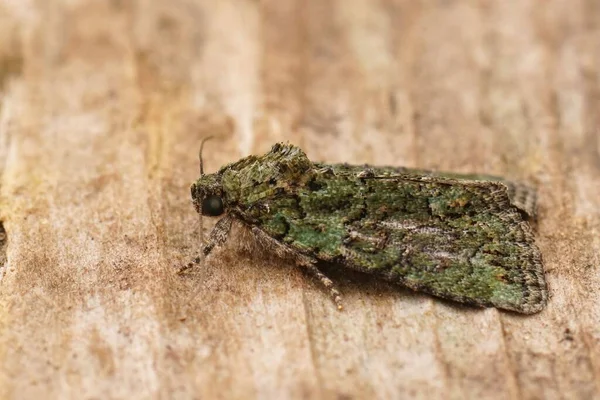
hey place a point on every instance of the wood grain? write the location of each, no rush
(102, 108)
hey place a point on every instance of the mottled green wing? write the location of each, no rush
(459, 239)
(521, 195)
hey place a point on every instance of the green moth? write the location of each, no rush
(461, 237)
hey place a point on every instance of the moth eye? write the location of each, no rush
(212, 206)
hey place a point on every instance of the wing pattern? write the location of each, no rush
(461, 239)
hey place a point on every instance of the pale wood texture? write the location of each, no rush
(102, 108)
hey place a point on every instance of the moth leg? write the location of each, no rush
(219, 234)
(217, 237)
(188, 266)
(325, 281)
(301, 260)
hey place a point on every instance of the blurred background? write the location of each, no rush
(103, 104)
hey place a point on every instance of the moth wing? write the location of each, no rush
(458, 239)
(521, 195)
(524, 197)
(467, 242)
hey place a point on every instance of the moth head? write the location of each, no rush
(207, 192)
(207, 195)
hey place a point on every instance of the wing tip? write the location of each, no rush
(535, 293)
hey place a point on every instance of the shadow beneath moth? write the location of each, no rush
(461, 237)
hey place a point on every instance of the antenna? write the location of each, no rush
(202, 174)
(200, 154)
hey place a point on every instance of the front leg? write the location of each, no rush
(218, 236)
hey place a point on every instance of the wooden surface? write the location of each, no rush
(102, 108)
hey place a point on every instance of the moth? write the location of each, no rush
(465, 238)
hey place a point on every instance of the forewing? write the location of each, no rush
(521, 195)
(457, 239)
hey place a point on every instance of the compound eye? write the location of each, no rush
(212, 206)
